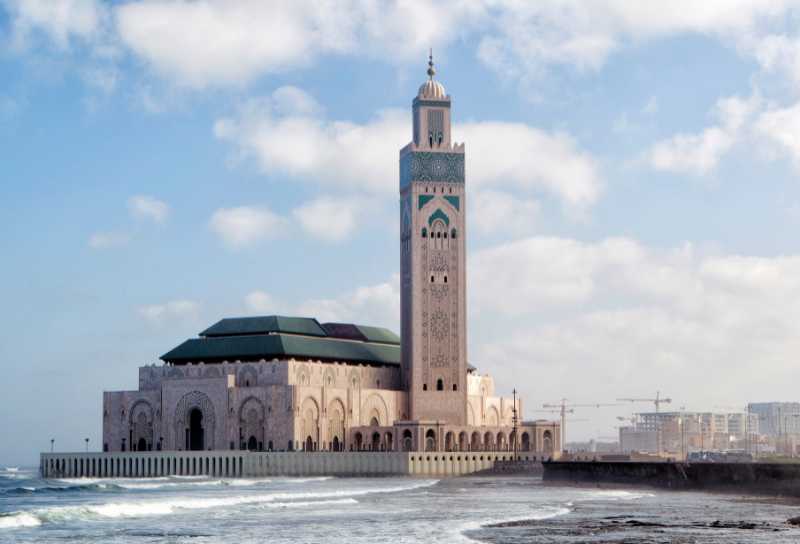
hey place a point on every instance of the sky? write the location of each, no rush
(632, 180)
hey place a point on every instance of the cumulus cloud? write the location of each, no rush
(377, 304)
(329, 218)
(495, 211)
(260, 302)
(218, 43)
(174, 310)
(372, 304)
(245, 225)
(523, 39)
(613, 318)
(148, 207)
(59, 20)
(108, 240)
(781, 128)
(307, 146)
(701, 152)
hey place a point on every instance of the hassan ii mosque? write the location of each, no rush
(278, 383)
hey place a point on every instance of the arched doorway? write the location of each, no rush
(195, 439)
(252, 444)
(547, 442)
(526, 442)
(359, 441)
(376, 441)
(309, 444)
(475, 443)
(430, 440)
(488, 441)
(408, 442)
(448, 441)
(141, 445)
(336, 446)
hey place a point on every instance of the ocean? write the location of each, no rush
(373, 510)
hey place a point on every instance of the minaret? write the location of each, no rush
(432, 262)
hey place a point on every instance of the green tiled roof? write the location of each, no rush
(282, 346)
(378, 334)
(234, 326)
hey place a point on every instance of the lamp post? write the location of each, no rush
(514, 422)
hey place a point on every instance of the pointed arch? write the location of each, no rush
(374, 407)
(439, 215)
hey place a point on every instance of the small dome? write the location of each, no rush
(432, 90)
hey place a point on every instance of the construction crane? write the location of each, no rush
(658, 401)
(563, 408)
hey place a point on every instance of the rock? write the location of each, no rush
(794, 521)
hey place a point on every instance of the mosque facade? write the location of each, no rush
(277, 383)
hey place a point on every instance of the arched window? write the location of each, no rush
(455, 387)
(424, 232)
(433, 279)
(453, 233)
(424, 388)
(439, 385)
(445, 279)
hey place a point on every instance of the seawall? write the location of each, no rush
(254, 464)
(754, 478)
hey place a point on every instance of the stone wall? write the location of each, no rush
(255, 464)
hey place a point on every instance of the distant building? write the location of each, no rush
(776, 418)
(681, 432)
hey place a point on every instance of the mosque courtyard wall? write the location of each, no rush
(242, 464)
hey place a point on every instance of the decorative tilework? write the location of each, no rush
(454, 201)
(424, 199)
(431, 167)
(438, 214)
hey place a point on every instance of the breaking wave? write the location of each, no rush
(615, 495)
(16, 520)
(146, 508)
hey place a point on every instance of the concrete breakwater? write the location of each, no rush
(754, 478)
(248, 464)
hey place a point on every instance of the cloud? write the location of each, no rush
(522, 40)
(245, 225)
(308, 147)
(108, 240)
(174, 310)
(58, 20)
(617, 318)
(331, 219)
(148, 207)
(259, 302)
(212, 43)
(377, 304)
(781, 128)
(207, 43)
(700, 153)
(493, 211)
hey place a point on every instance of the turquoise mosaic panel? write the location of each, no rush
(454, 201)
(424, 199)
(438, 214)
(431, 167)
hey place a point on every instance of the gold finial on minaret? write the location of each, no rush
(431, 69)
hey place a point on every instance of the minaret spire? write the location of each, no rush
(431, 69)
